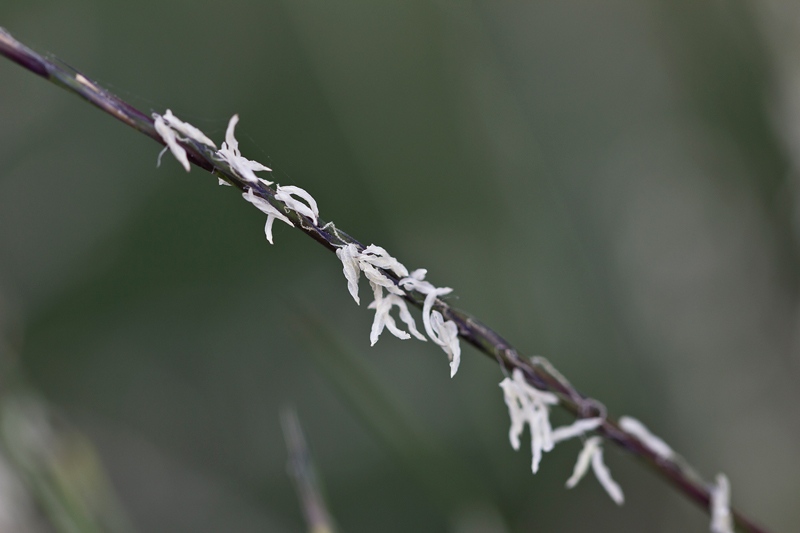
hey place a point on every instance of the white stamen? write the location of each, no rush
(383, 318)
(447, 338)
(284, 194)
(268, 209)
(721, 518)
(416, 281)
(406, 317)
(638, 430)
(168, 136)
(377, 256)
(577, 428)
(603, 475)
(584, 460)
(527, 404)
(186, 129)
(592, 453)
(230, 139)
(229, 152)
(347, 255)
(430, 299)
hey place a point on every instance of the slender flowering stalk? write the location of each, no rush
(229, 166)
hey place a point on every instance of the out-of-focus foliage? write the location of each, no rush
(610, 185)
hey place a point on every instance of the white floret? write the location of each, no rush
(721, 518)
(529, 405)
(653, 443)
(384, 319)
(268, 209)
(285, 195)
(592, 453)
(187, 130)
(576, 429)
(229, 153)
(373, 261)
(168, 135)
(347, 255)
(377, 256)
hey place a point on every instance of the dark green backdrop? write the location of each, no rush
(609, 184)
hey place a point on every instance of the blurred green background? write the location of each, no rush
(611, 185)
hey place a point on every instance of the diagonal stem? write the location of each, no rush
(537, 372)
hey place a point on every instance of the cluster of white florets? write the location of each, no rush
(531, 406)
(373, 260)
(526, 404)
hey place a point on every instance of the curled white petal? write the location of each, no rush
(284, 194)
(382, 307)
(223, 182)
(603, 475)
(419, 274)
(510, 395)
(638, 430)
(538, 442)
(407, 319)
(170, 138)
(592, 453)
(416, 282)
(383, 318)
(242, 166)
(229, 152)
(577, 428)
(186, 129)
(347, 255)
(377, 256)
(268, 209)
(590, 447)
(430, 299)
(445, 334)
(377, 279)
(721, 518)
(447, 338)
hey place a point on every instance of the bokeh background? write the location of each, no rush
(612, 185)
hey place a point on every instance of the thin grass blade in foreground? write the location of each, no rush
(304, 475)
(442, 476)
(536, 373)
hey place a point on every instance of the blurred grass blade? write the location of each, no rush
(446, 480)
(301, 468)
(59, 466)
